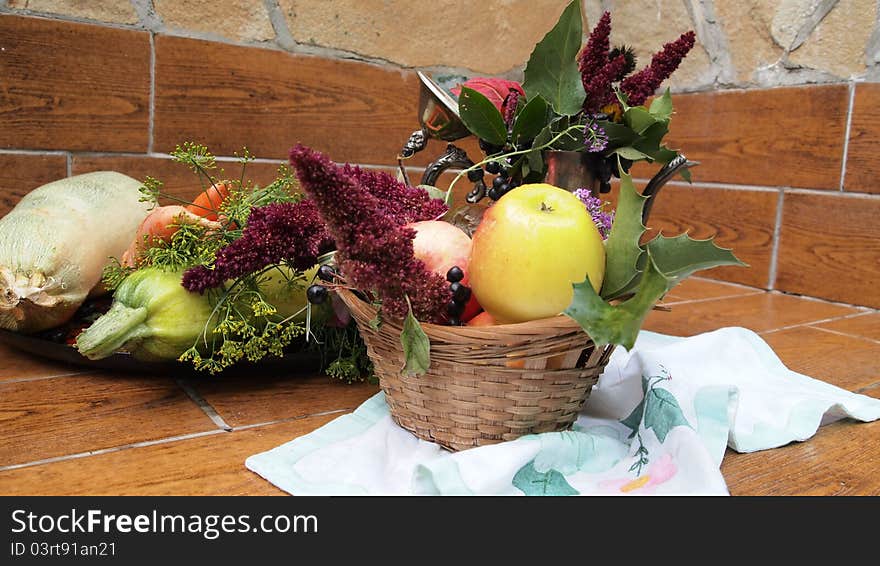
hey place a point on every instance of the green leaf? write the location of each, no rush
(685, 174)
(416, 346)
(433, 191)
(536, 161)
(618, 134)
(639, 119)
(652, 137)
(663, 413)
(530, 120)
(622, 248)
(552, 70)
(568, 142)
(661, 107)
(669, 260)
(532, 482)
(678, 257)
(631, 153)
(481, 117)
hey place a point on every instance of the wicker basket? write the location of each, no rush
(485, 384)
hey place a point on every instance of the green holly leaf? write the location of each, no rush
(416, 346)
(669, 260)
(481, 117)
(663, 413)
(678, 257)
(532, 482)
(661, 107)
(631, 153)
(552, 70)
(618, 134)
(639, 119)
(530, 120)
(622, 248)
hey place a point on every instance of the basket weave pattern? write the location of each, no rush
(485, 384)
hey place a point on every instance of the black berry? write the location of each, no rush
(493, 167)
(454, 321)
(455, 274)
(475, 175)
(326, 273)
(498, 182)
(454, 308)
(489, 148)
(460, 293)
(494, 193)
(316, 294)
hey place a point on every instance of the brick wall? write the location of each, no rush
(775, 102)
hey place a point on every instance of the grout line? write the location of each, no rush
(708, 299)
(774, 248)
(862, 390)
(41, 377)
(847, 334)
(33, 152)
(152, 102)
(204, 405)
(111, 450)
(724, 282)
(290, 419)
(809, 323)
(846, 133)
(861, 308)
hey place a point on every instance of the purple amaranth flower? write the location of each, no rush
(595, 137)
(294, 232)
(598, 209)
(508, 109)
(374, 245)
(640, 86)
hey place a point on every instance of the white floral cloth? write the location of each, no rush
(657, 422)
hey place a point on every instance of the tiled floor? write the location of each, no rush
(65, 431)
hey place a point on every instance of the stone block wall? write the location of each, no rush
(777, 101)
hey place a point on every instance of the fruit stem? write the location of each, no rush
(545, 208)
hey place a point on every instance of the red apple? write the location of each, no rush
(441, 246)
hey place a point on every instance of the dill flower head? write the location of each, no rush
(366, 213)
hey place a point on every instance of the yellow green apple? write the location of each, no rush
(531, 246)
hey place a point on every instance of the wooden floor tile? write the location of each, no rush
(867, 325)
(847, 362)
(762, 312)
(697, 289)
(67, 415)
(207, 465)
(265, 398)
(842, 458)
(17, 365)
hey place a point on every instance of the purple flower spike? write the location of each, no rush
(602, 217)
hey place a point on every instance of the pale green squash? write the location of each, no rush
(56, 241)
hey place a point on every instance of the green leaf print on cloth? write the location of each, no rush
(532, 482)
(658, 411)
